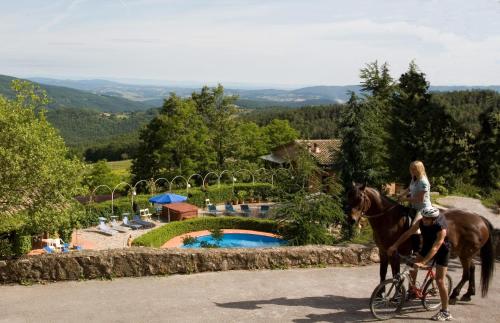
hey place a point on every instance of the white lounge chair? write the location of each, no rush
(117, 227)
(104, 229)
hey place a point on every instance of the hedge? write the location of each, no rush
(159, 236)
(22, 244)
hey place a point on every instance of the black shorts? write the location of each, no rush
(442, 257)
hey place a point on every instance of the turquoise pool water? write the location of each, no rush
(239, 240)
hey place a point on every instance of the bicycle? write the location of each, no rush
(385, 305)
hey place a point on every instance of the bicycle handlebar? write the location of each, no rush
(410, 261)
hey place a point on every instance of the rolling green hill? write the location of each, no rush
(63, 97)
(81, 127)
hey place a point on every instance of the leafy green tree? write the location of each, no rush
(99, 174)
(308, 216)
(36, 176)
(218, 112)
(250, 142)
(488, 149)
(279, 132)
(174, 143)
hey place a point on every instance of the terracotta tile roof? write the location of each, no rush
(323, 150)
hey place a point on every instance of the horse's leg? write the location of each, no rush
(395, 266)
(384, 260)
(472, 284)
(466, 262)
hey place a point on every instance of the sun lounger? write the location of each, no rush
(212, 210)
(245, 210)
(133, 226)
(104, 229)
(48, 249)
(229, 209)
(117, 227)
(145, 224)
(264, 210)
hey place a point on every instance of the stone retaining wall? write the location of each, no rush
(140, 261)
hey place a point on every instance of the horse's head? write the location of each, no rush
(357, 201)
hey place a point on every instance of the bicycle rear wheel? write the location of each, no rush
(431, 299)
(387, 299)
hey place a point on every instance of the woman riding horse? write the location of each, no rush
(468, 234)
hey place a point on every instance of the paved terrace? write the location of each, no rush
(298, 295)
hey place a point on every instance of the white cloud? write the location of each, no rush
(238, 43)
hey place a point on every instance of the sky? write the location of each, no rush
(254, 42)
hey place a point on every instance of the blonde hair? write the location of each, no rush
(419, 168)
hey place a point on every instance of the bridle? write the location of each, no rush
(366, 203)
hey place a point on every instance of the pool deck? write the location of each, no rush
(177, 241)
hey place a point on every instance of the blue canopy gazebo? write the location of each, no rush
(167, 198)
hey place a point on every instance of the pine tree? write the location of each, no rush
(424, 130)
(488, 149)
(363, 157)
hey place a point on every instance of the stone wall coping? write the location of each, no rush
(145, 261)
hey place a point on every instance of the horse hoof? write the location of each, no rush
(465, 298)
(452, 301)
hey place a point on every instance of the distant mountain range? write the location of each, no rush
(67, 97)
(153, 95)
(109, 96)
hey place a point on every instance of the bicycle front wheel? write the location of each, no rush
(431, 299)
(387, 299)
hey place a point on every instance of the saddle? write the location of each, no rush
(408, 217)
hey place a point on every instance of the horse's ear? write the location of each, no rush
(363, 186)
(353, 184)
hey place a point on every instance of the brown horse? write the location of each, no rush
(468, 233)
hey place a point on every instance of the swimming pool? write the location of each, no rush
(238, 240)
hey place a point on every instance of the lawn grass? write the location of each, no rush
(121, 167)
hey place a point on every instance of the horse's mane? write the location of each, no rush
(403, 210)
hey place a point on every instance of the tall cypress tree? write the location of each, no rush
(362, 157)
(488, 148)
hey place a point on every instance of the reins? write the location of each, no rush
(364, 210)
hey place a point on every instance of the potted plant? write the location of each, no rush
(235, 201)
(251, 196)
(241, 196)
(257, 198)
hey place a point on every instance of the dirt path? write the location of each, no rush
(470, 204)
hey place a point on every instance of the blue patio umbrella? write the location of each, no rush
(167, 198)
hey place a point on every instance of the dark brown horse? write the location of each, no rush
(468, 233)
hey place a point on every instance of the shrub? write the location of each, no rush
(466, 189)
(308, 217)
(492, 200)
(22, 244)
(158, 237)
(5, 248)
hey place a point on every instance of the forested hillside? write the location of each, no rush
(76, 99)
(315, 122)
(83, 127)
(466, 106)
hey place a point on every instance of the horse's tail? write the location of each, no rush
(487, 259)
